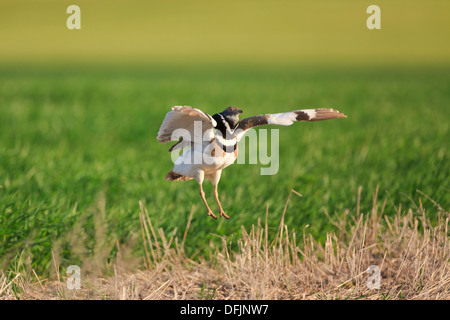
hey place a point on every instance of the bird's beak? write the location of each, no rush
(239, 111)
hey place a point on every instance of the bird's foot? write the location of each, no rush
(212, 215)
(223, 214)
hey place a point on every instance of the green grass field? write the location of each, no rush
(78, 151)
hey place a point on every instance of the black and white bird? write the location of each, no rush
(213, 140)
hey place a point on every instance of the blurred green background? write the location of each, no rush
(80, 111)
(245, 31)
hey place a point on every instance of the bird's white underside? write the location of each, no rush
(187, 165)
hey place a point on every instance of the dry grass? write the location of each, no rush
(412, 254)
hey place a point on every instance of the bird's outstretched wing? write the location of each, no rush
(184, 117)
(286, 119)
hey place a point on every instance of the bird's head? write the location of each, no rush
(231, 115)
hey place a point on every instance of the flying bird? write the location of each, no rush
(213, 140)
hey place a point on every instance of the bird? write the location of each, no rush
(210, 143)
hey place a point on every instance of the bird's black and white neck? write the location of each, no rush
(226, 124)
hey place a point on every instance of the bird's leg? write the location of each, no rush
(202, 194)
(216, 196)
(215, 181)
(200, 177)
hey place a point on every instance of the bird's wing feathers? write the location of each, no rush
(286, 119)
(184, 117)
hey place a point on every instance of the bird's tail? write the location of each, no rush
(173, 176)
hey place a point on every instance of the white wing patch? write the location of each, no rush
(288, 118)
